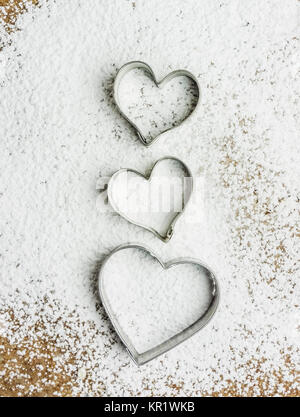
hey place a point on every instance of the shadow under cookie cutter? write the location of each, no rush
(170, 229)
(142, 65)
(144, 357)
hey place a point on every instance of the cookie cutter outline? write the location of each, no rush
(173, 341)
(165, 238)
(129, 66)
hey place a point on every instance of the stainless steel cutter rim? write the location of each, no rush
(165, 238)
(142, 358)
(139, 64)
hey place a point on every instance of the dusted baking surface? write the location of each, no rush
(55, 338)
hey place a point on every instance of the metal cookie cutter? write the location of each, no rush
(142, 358)
(186, 197)
(142, 65)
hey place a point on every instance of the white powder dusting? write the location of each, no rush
(60, 132)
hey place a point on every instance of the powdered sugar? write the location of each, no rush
(60, 132)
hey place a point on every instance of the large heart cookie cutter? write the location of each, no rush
(170, 230)
(142, 65)
(142, 358)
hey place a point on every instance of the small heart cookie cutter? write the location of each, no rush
(170, 230)
(142, 358)
(142, 65)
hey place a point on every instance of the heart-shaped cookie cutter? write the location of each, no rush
(142, 65)
(170, 230)
(142, 358)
